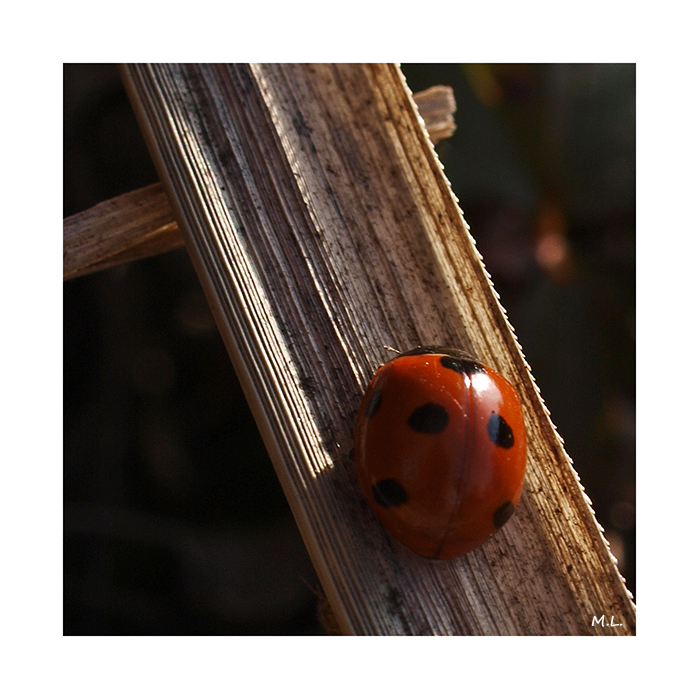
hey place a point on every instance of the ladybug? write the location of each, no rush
(440, 450)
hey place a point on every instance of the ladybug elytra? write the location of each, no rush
(440, 450)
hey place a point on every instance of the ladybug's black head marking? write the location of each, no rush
(500, 432)
(389, 493)
(373, 404)
(452, 358)
(462, 365)
(429, 418)
(503, 513)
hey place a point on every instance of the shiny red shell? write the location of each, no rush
(440, 450)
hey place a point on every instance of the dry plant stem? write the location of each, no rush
(141, 223)
(437, 106)
(322, 229)
(122, 229)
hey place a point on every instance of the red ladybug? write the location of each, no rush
(440, 450)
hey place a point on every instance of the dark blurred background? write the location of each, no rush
(175, 522)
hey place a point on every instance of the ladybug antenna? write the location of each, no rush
(390, 349)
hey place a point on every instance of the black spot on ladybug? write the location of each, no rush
(429, 418)
(373, 403)
(462, 366)
(389, 493)
(503, 513)
(500, 432)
